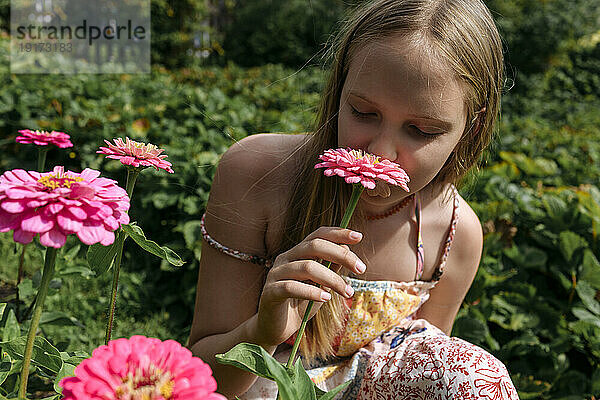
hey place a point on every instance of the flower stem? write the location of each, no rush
(19, 278)
(35, 320)
(357, 190)
(41, 159)
(132, 174)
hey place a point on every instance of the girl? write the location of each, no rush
(417, 82)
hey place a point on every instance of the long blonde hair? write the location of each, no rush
(463, 34)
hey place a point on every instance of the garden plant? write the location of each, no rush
(534, 303)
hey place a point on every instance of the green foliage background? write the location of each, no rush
(534, 303)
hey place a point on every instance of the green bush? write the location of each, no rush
(269, 31)
(534, 300)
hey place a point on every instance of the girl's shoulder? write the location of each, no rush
(260, 160)
(249, 181)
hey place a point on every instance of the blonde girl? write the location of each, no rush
(417, 82)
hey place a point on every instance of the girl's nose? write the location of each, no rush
(383, 145)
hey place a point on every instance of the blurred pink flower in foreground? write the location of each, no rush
(356, 166)
(141, 368)
(136, 154)
(56, 204)
(44, 138)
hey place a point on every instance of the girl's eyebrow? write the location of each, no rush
(442, 124)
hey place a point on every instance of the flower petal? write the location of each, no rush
(37, 223)
(53, 238)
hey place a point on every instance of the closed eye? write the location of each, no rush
(429, 135)
(358, 114)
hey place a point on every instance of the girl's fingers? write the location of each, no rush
(319, 248)
(336, 235)
(312, 246)
(283, 290)
(309, 270)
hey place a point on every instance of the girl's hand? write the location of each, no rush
(287, 288)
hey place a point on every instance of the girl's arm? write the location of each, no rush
(228, 289)
(461, 266)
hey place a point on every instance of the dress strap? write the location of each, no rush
(437, 274)
(420, 248)
(266, 262)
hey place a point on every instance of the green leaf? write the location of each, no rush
(11, 329)
(100, 258)
(191, 233)
(590, 269)
(26, 290)
(587, 295)
(74, 358)
(65, 370)
(44, 354)
(59, 319)
(569, 242)
(586, 316)
(287, 391)
(305, 387)
(248, 357)
(5, 368)
(333, 392)
(163, 252)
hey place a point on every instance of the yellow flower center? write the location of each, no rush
(370, 157)
(45, 133)
(146, 384)
(54, 181)
(167, 389)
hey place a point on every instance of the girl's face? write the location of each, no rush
(401, 104)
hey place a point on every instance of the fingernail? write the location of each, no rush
(355, 235)
(349, 290)
(325, 296)
(360, 266)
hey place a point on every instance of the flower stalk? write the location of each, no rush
(357, 190)
(132, 174)
(40, 167)
(41, 162)
(35, 320)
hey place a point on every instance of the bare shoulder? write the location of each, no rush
(237, 213)
(468, 240)
(460, 270)
(249, 172)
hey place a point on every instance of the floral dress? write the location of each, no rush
(390, 354)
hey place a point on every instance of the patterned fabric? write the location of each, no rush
(389, 354)
(378, 306)
(413, 360)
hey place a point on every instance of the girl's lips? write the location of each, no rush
(382, 189)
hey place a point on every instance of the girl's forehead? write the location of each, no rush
(401, 57)
(397, 69)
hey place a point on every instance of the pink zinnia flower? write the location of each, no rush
(141, 368)
(136, 154)
(44, 138)
(355, 166)
(56, 204)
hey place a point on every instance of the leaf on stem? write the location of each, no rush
(304, 386)
(100, 258)
(248, 357)
(44, 354)
(331, 394)
(11, 329)
(163, 252)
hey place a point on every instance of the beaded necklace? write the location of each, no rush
(392, 210)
